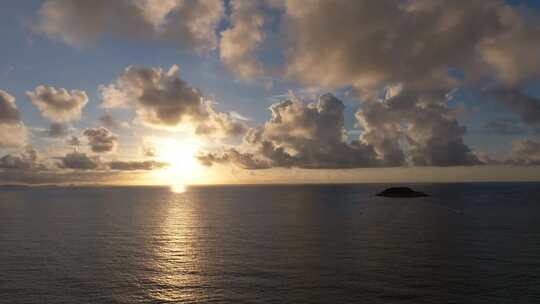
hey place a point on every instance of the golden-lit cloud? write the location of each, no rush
(58, 105)
(239, 42)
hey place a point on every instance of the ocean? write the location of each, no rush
(467, 243)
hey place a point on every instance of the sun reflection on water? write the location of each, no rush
(178, 188)
(175, 274)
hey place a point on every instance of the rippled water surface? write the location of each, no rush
(468, 243)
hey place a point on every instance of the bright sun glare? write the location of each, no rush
(184, 168)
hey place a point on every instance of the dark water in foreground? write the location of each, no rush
(271, 244)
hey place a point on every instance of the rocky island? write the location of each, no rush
(401, 192)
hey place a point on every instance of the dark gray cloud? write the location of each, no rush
(526, 106)
(12, 131)
(144, 165)
(162, 100)
(313, 136)
(63, 177)
(9, 114)
(110, 122)
(101, 140)
(79, 161)
(28, 159)
(243, 160)
(372, 44)
(428, 48)
(29, 167)
(75, 160)
(369, 44)
(301, 135)
(188, 24)
(422, 124)
(505, 126)
(56, 130)
(58, 105)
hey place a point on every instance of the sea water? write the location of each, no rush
(467, 243)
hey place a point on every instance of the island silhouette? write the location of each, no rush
(401, 192)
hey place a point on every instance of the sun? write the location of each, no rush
(180, 155)
(184, 169)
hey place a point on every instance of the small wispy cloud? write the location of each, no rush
(239, 116)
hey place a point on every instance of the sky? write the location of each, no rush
(271, 91)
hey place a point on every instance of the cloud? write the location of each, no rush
(26, 160)
(9, 114)
(162, 100)
(101, 140)
(144, 165)
(187, 24)
(300, 135)
(429, 47)
(414, 42)
(423, 125)
(238, 116)
(232, 156)
(56, 130)
(110, 122)
(525, 152)
(239, 42)
(13, 136)
(73, 141)
(526, 106)
(79, 161)
(12, 131)
(419, 44)
(313, 136)
(402, 59)
(58, 105)
(220, 124)
(422, 50)
(70, 177)
(29, 160)
(512, 52)
(505, 126)
(29, 167)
